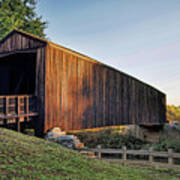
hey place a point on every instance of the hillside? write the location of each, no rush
(173, 113)
(33, 158)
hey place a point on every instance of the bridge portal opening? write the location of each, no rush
(18, 74)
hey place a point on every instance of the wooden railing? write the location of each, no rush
(151, 154)
(17, 108)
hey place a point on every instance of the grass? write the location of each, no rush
(27, 157)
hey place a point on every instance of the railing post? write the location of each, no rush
(6, 112)
(17, 112)
(151, 158)
(170, 158)
(99, 151)
(124, 155)
(27, 108)
(6, 106)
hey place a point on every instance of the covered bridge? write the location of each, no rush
(58, 87)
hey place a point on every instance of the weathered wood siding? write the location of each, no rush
(17, 41)
(40, 89)
(77, 92)
(84, 94)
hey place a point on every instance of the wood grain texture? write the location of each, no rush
(82, 94)
(16, 41)
(76, 92)
(40, 89)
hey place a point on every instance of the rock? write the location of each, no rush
(175, 125)
(56, 129)
(66, 141)
(69, 141)
(60, 137)
(154, 133)
(54, 133)
(171, 132)
(145, 133)
(88, 153)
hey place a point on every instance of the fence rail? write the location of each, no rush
(16, 109)
(170, 155)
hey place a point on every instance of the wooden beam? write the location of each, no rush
(20, 115)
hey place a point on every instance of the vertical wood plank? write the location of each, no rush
(92, 95)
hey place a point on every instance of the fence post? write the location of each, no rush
(151, 158)
(170, 157)
(124, 155)
(99, 151)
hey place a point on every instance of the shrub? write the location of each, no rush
(113, 139)
(109, 139)
(164, 145)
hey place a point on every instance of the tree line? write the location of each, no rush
(20, 14)
(173, 113)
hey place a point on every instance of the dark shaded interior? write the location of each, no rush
(17, 74)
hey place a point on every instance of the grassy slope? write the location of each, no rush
(33, 158)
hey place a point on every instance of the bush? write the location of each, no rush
(109, 139)
(164, 145)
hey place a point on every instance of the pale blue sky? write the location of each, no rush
(139, 37)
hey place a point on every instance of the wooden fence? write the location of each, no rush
(151, 154)
(16, 109)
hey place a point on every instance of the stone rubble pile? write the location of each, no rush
(68, 141)
(60, 137)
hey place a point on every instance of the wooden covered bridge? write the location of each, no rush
(58, 87)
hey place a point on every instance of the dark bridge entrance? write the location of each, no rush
(17, 74)
(17, 86)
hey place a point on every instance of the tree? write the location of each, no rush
(20, 14)
(173, 113)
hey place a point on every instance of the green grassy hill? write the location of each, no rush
(25, 157)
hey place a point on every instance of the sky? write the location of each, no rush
(138, 37)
